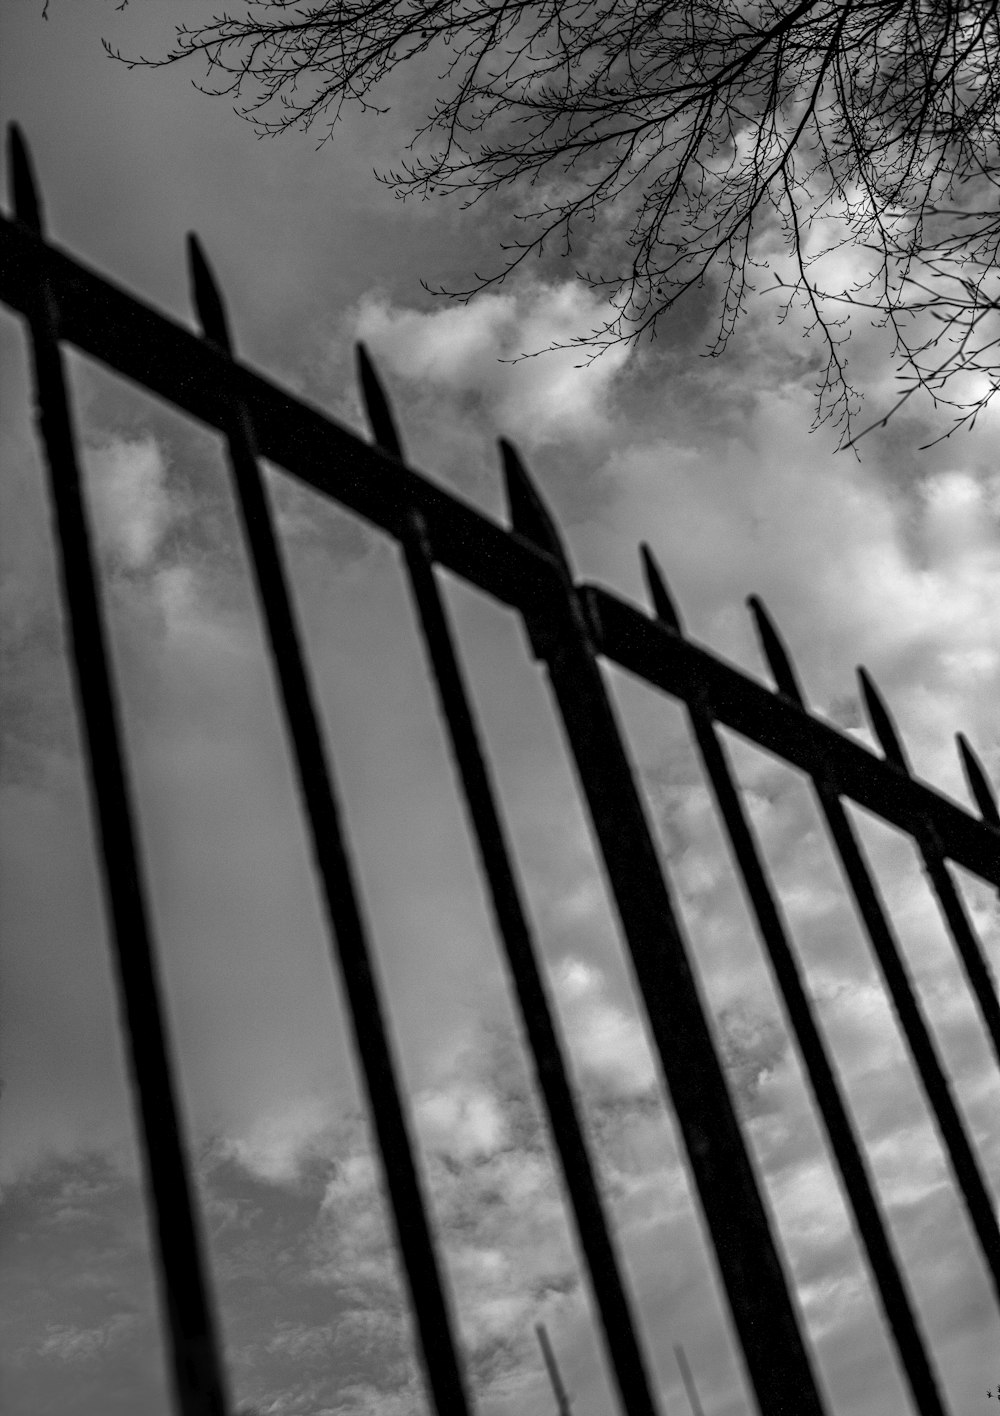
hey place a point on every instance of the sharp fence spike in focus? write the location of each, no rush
(881, 722)
(380, 419)
(529, 516)
(24, 196)
(663, 604)
(979, 784)
(208, 302)
(773, 648)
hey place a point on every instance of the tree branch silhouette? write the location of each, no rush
(843, 153)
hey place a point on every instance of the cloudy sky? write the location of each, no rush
(892, 560)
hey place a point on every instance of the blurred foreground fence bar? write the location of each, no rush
(570, 627)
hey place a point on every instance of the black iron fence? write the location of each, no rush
(571, 627)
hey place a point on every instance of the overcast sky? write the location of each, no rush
(892, 560)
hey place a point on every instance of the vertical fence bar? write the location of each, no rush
(193, 1351)
(970, 951)
(429, 1303)
(976, 1196)
(856, 1181)
(757, 1290)
(593, 1235)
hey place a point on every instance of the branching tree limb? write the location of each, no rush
(753, 144)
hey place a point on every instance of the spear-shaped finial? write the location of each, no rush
(23, 187)
(380, 419)
(881, 721)
(663, 604)
(979, 783)
(773, 648)
(529, 516)
(207, 298)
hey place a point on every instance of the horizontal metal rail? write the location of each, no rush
(102, 320)
(127, 335)
(646, 649)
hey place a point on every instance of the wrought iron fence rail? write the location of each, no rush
(170, 361)
(101, 319)
(569, 627)
(632, 640)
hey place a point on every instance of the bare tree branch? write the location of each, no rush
(731, 136)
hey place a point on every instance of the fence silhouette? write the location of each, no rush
(570, 627)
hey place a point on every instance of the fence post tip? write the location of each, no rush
(23, 186)
(779, 660)
(979, 783)
(529, 516)
(881, 721)
(663, 604)
(207, 297)
(380, 419)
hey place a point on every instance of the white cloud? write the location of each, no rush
(275, 1144)
(75, 1344)
(464, 1121)
(374, 1401)
(355, 1179)
(132, 507)
(609, 1044)
(457, 352)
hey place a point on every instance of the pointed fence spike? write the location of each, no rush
(881, 721)
(529, 516)
(979, 783)
(207, 298)
(772, 645)
(663, 605)
(380, 419)
(23, 187)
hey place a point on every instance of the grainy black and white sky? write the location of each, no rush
(893, 560)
